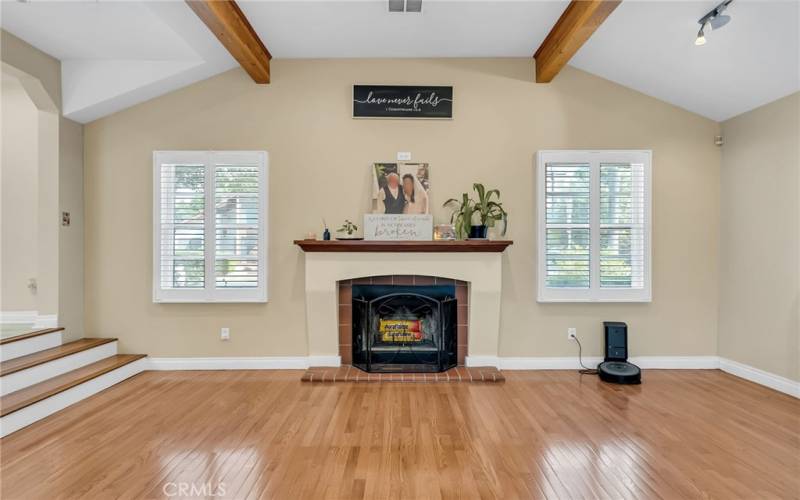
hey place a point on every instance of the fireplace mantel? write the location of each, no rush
(459, 246)
(330, 262)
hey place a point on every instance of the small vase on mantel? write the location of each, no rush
(478, 232)
(498, 230)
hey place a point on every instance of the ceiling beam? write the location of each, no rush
(577, 23)
(231, 27)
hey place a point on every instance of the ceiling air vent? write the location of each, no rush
(405, 5)
(413, 5)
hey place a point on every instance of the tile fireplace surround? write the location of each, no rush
(475, 268)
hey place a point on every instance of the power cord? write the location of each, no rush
(585, 370)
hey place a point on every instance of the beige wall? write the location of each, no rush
(319, 164)
(759, 319)
(34, 62)
(20, 185)
(60, 249)
(47, 225)
(70, 242)
(319, 167)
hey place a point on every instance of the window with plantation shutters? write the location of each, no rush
(594, 226)
(210, 226)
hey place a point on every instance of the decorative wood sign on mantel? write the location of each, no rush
(402, 101)
(457, 246)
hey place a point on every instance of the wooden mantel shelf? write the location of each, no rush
(403, 246)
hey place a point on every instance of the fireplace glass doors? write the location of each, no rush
(404, 328)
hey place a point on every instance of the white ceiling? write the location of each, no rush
(117, 53)
(649, 46)
(95, 30)
(446, 28)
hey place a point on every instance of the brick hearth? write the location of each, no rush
(350, 373)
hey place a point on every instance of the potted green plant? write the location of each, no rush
(486, 210)
(347, 231)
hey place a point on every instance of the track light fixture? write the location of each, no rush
(713, 20)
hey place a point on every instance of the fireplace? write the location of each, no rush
(404, 328)
(332, 268)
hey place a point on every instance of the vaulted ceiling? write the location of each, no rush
(116, 54)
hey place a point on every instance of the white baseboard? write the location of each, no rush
(37, 411)
(243, 363)
(29, 318)
(676, 362)
(18, 317)
(324, 361)
(571, 362)
(482, 361)
(46, 321)
(546, 363)
(761, 377)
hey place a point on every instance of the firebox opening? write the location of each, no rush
(404, 328)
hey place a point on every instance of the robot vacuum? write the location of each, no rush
(615, 368)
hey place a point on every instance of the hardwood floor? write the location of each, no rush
(265, 434)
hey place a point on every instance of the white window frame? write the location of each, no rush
(210, 293)
(594, 293)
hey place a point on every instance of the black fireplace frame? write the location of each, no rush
(437, 355)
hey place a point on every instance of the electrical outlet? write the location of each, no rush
(225, 334)
(572, 333)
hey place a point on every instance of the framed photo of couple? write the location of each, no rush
(401, 203)
(401, 188)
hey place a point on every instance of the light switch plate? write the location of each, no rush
(404, 156)
(225, 334)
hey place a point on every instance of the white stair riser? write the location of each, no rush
(29, 346)
(37, 411)
(30, 376)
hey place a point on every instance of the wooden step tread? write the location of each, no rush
(37, 358)
(35, 393)
(28, 335)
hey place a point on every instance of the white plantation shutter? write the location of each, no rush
(621, 225)
(236, 201)
(594, 226)
(210, 226)
(568, 237)
(182, 223)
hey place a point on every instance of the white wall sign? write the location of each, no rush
(392, 227)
